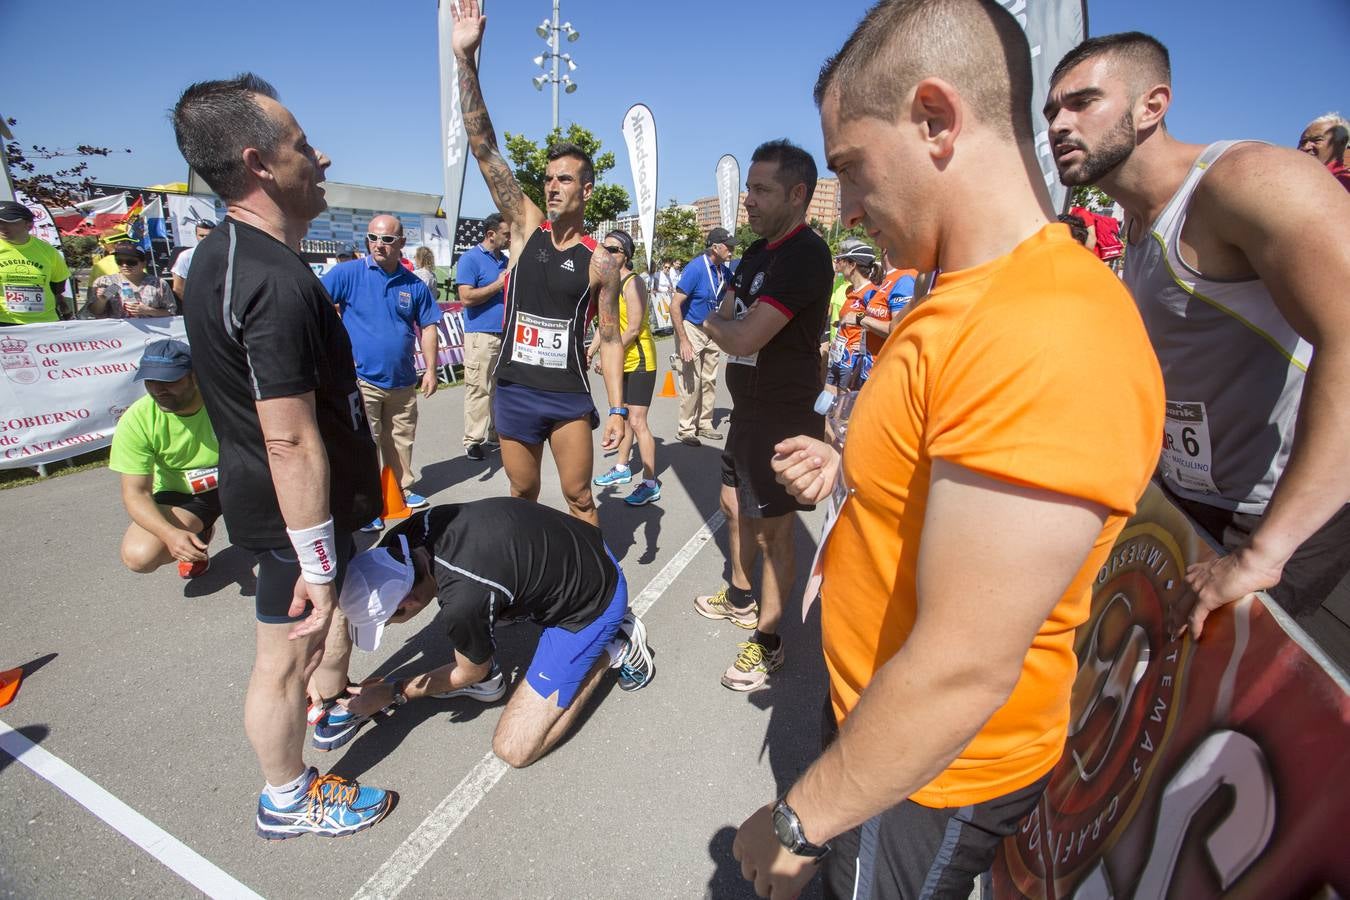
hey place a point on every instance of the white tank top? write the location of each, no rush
(1233, 365)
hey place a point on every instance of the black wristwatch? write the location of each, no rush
(619, 411)
(788, 828)
(400, 687)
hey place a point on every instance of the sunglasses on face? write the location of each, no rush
(129, 262)
(382, 238)
(618, 250)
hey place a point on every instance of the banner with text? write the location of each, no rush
(728, 191)
(66, 384)
(639, 133)
(454, 139)
(1192, 769)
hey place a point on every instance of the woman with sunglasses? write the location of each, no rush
(131, 293)
(639, 375)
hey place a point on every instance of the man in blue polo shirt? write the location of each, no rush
(480, 276)
(382, 304)
(695, 297)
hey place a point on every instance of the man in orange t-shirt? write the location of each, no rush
(1009, 427)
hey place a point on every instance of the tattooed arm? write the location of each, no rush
(605, 285)
(517, 209)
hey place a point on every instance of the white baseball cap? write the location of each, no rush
(375, 585)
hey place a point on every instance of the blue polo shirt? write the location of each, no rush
(479, 268)
(380, 311)
(702, 283)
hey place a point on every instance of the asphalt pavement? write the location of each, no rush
(137, 687)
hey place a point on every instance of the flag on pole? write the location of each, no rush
(454, 139)
(149, 224)
(728, 191)
(639, 133)
(97, 216)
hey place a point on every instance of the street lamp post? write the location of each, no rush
(550, 31)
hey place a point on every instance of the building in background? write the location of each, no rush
(823, 208)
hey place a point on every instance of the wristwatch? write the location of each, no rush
(400, 687)
(788, 828)
(619, 411)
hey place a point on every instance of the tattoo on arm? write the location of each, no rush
(506, 192)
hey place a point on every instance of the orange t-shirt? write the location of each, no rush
(881, 306)
(855, 301)
(1034, 369)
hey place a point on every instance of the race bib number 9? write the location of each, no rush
(24, 298)
(540, 342)
(1186, 455)
(203, 480)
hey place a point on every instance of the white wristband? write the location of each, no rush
(314, 548)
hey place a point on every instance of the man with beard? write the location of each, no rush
(1325, 139)
(947, 622)
(169, 460)
(1245, 307)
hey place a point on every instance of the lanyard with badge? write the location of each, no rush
(837, 415)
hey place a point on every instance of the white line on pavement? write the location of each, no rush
(398, 870)
(181, 859)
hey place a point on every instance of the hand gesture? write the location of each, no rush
(469, 26)
(806, 467)
(322, 596)
(185, 546)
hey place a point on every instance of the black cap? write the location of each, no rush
(13, 211)
(164, 360)
(721, 236)
(129, 250)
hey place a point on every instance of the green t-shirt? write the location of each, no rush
(180, 451)
(27, 271)
(837, 299)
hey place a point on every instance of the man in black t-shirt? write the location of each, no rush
(486, 561)
(769, 324)
(297, 462)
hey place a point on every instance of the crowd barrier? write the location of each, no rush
(1193, 769)
(67, 383)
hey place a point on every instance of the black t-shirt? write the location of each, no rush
(795, 276)
(262, 326)
(508, 558)
(548, 300)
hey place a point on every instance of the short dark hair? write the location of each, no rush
(1077, 227)
(214, 121)
(567, 148)
(795, 165)
(975, 45)
(493, 222)
(1148, 59)
(205, 223)
(345, 256)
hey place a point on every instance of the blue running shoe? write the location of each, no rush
(337, 727)
(638, 667)
(644, 493)
(376, 524)
(332, 807)
(616, 475)
(415, 501)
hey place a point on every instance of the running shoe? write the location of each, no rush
(718, 606)
(416, 501)
(752, 667)
(475, 452)
(193, 569)
(376, 524)
(690, 440)
(489, 690)
(637, 667)
(644, 493)
(338, 726)
(332, 807)
(615, 475)
(709, 434)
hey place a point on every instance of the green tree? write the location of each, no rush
(79, 250)
(677, 233)
(1091, 197)
(530, 159)
(745, 236)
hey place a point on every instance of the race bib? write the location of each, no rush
(202, 480)
(24, 298)
(540, 341)
(1187, 460)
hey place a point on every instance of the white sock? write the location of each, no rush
(288, 793)
(620, 467)
(616, 649)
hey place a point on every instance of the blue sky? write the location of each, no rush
(719, 77)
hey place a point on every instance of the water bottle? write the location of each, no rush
(128, 293)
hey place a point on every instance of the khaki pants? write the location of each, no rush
(393, 423)
(698, 378)
(480, 354)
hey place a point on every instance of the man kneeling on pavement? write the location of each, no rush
(166, 451)
(488, 561)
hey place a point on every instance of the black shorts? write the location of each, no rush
(746, 464)
(638, 387)
(205, 506)
(277, 574)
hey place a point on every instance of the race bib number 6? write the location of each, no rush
(540, 342)
(1187, 458)
(24, 298)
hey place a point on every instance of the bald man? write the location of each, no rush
(950, 671)
(383, 304)
(1325, 139)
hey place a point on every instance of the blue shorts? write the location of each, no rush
(529, 415)
(564, 658)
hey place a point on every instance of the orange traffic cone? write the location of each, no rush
(9, 685)
(668, 389)
(395, 506)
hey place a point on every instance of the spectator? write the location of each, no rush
(183, 261)
(697, 293)
(132, 293)
(857, 262)
(425, 270)
(480, 275)
(1325, 139)
(33, 273)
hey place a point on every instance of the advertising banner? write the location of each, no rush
(1192, 769)
(728, 191)
(66, 384)
(639, 133)
(454, 139)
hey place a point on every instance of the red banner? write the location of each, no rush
(1192, 770)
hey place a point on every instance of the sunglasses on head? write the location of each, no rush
(382, 238)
